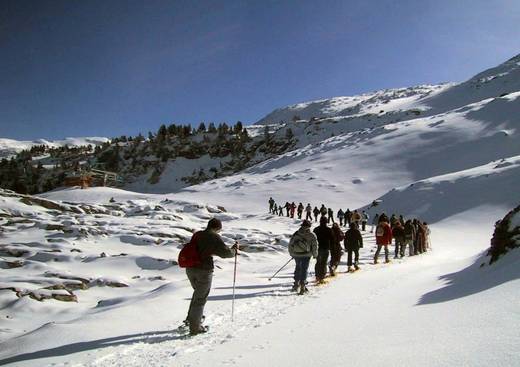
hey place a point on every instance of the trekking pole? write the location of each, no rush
(234, 282)
(279, 270)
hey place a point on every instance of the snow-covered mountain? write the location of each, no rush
(9, 147)
(428, 99)
(89, 276)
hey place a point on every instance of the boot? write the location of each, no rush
(295, 287)
(303, 288)
(349, 269)
(198, 330)
(356, 266)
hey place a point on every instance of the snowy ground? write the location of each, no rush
(440, 308)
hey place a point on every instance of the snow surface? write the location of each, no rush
(454, 162)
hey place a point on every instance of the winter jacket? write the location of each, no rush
(364, 218)
(386, 237)
(303, 237)
(325, 237)
(308, 209)
(353, 239)
(210, 243)
(341, 214)
(398, 233)
(409, 231)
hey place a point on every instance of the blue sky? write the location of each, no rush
(110, 68)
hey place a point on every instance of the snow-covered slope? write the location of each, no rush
(9, 147)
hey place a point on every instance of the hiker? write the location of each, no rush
(271, 205)
(316, 212)
(348, 217)
(393, 219)
(399, 236)
(364, 221)
(375, 222)
(280, 210)
(421, 234)
(323, 210)
(417, 240)
(341, 215)
(208, 243)
(308, 212)
(383, 237)
(325, 238)
(330, 215)
(335, 250)
(426, 236)
(353, 242)
(401, 220)
(275, 209)
(288, 208)
(409, 236)
(302, 246)
(300, 210)
(356, 217)
(293, 208)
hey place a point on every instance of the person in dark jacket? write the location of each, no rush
(316, 212)
(348, 217)
(288, 208)
(308, 212)
(208, 243)
(409, 236)
(341, 215)
(335, 250)
(398, 234)
(330, 215)
(325, 239)
(300, 210)
(353, 242)
(271, 205)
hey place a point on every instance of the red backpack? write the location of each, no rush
(189, 257)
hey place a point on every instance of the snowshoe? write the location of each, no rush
(199, 330)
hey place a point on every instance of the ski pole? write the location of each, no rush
(279, 270)
(234, 282)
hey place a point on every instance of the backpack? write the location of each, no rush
(380, 230)
(189, 257)
(299, 245)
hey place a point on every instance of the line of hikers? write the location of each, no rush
(303, 245)
(344, 217)
(323, 240)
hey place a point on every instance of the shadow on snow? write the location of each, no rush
(150, 338)
(475, 279)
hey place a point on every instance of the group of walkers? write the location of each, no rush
(325, 240)
(320, 243)
(344, 217)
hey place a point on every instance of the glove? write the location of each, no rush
(235, 247)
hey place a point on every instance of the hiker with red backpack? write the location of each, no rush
(197, 258)
(383, 237)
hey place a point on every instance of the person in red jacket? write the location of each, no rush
(383, 238)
